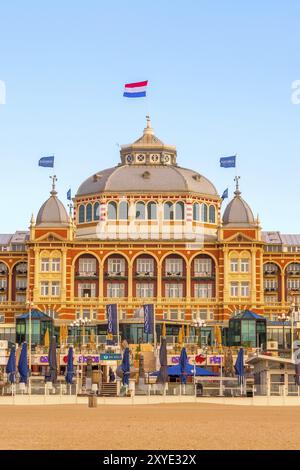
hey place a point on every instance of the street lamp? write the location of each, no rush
(29, 303)
(283, 318)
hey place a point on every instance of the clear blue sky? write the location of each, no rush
(220, 76)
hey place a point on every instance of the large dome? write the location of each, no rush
(147, 165)
(147, 178)
(52, 213)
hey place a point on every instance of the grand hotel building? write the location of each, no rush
(147, 231)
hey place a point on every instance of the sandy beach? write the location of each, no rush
(180, 426)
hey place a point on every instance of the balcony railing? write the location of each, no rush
(87, 274)
(115, 275)
(144, 275)
(294, 272)
(271, 289)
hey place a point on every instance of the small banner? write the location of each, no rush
(149, 318)
(112, 319)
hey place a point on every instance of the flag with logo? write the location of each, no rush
(112, 319)
(228, 162)
(149, 318)
(47, 162)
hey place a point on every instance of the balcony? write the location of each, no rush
(21, 288)
(173, 276)
(86, 275)
(271, 289)
(293, 272)
(271, 272)
(145, 275)
(120, 275)
(207, 276)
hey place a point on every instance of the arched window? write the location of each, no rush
(179, 210)
(81, 214)
(89, 213)
(96, 211)
(212, 215)
(140, 212)
(196, 211)
(152, 210)
(112, 210)
(168, 211)
(204, 213)
(123, 210)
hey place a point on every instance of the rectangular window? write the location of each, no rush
(21, 284)
(44, 288)
(20, 298)
(145, 266)
(45, 265)
(87, 266)
(245, 265)
(203, 267)
(144, 290)
(234, 265)
(56, 264)
(234, 289)
(55, 288)
(3, 284)
(116, 289)
(174, 290)
(86, 289)
(271, 285)
(293, 284)
(116, 266)
(203, 290)
(271, 299)
(2, 298)
(244, 289)
(174, 266)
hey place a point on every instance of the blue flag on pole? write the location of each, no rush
(69, 195)
(47, 162)
(112, 319)
(149, 319)
(225, 194)
(228, 162)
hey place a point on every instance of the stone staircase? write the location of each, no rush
(108, 389)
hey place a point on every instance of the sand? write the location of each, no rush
(178, 426)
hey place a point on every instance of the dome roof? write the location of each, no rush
(147, 178)
(238, 212)
(147, 165)
(52, 212)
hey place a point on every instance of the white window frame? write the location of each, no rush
(116, 265)
(55, 264)
(245, 289)
(55, 289)
(203, 267)
(45, 265)
(174, 290)
(234, 289)
(145, 265)
(203, 291)
(234, 265)
(144, 289)
(174, 266)
(44, 288)
(116, 290)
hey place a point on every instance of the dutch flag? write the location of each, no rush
(135, 90)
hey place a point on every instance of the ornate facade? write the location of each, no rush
(147, 231)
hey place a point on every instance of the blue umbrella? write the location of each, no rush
(70, 367)
(183, 360)
(23, 364)
(125, 366)
(239, 366)
(52, 360)
(11, 366)
(162, 377)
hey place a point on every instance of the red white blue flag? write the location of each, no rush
(135, 90)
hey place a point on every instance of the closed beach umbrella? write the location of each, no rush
(162, 377)
(92, 338)
(46, 339)
(239, 366)
(183, 360)
(70, 367)
(218, 335)
(11, 366)
(125, 366)
(181, 335)
(23, 364)
(52, 360)
(164, 330)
